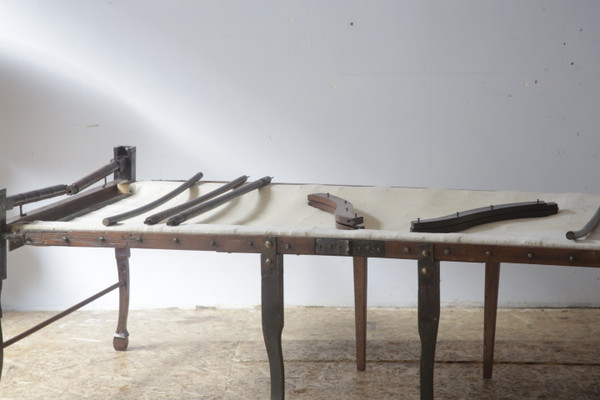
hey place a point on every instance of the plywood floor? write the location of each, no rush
(219, 354)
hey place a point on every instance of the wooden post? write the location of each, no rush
(492, 280)
(360, 311)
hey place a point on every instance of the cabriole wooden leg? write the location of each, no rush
(1, 338)
(492, 280)
(272, 314)
(360, 311)
(429, 316)
(121, 338)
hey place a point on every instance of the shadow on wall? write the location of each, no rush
(56, 130)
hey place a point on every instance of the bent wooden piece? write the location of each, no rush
(147, 207)
(209, 205)
(467, 219)
(572, 235)
(156, 218)
(345, 217)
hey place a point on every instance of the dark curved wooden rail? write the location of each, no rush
(466, 219)
(345, 217)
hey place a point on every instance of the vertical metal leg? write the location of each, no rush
(429, 316)
(360, 311)
(272, 314)
(121, 338)
(492, 280)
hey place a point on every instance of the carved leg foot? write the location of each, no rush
(272, 315)
(121, 338)
(492, 280)
(429, 316)
(360, 311)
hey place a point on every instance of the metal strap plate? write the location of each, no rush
(349, 247)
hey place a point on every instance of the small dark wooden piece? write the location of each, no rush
(345, 217)
(478, 216)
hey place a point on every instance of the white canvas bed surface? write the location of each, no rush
(282, 210)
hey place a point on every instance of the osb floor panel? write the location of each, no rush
(219, 354)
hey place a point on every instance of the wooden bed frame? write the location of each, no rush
(428, 250)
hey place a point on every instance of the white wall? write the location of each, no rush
(459, 94)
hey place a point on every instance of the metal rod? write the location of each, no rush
(209, 205)
(156, 218)
(94, 177)
(140, 210)
(62, 314)
(36, 195)
(572, 235)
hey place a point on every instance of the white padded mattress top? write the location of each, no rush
(282, 210)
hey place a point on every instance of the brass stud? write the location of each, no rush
(102, 239)
(66, 239)
(287, 246)
(425, 271)
(250, 243)
(175, 240)
(488, 253)
(530, 256)
(268, 262)
(406, 250)
(140, 239)
(425, 253)
(268, 244)
(571, 258)
(446, 251)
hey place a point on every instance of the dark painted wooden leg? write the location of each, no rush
(492, 280)
(272, 314)
(3, 265)
(1, 339)
(360, 311)
(429, 316)
(121, 338)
